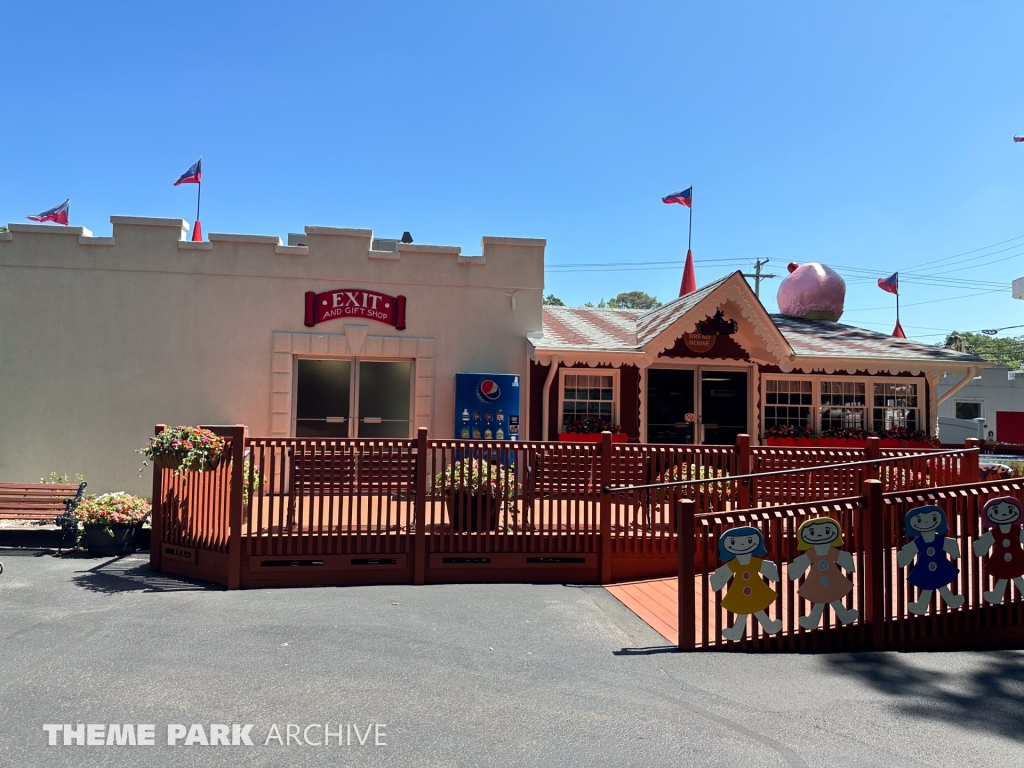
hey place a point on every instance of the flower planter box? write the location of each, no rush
(110, 540)
(471, 512)
(589, 437)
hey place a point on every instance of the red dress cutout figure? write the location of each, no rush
(1004, 538)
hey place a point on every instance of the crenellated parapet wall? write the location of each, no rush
(162, 244)
(102, 337)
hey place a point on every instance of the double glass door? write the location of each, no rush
(679, 413)
(353, 398)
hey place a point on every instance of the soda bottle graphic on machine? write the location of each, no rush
(487, 405)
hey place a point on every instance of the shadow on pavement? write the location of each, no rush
(988, 699)
(127, 574)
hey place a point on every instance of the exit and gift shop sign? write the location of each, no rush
(355, 302)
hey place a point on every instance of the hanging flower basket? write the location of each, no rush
(182, 463)
(185, 449)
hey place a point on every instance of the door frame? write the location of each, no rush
(698, 369)
(353, 394)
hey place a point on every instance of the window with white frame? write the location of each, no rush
(843, 404)
(896, 405)
(967, 409)
(788, 403)
(587, 397)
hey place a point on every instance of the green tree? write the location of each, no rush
(2, 229)
(634, 300)
(553, 301)
(1008, 351)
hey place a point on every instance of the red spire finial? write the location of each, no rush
(689, 283)
(792, 266)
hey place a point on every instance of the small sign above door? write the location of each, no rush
(355, 302)
(699, 342)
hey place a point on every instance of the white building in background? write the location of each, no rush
(990, 406)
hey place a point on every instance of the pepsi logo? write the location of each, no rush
(489, 390)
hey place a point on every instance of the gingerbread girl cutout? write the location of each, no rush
(933, 569)
(742, 550)
(819, 539)
(1002, 516)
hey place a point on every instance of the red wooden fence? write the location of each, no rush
(304, 511)
(873, 530)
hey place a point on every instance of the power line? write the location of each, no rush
(932, 301)
(965, 253)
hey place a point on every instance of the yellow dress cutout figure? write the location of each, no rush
(742, 549)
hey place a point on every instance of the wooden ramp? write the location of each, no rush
(655, 601)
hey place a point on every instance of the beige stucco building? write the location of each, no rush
(103, 337)
(339, 334)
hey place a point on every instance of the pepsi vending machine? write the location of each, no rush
(487, 406)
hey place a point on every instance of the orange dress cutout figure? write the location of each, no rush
(742, 549)
(819, 539)
(1005, 533)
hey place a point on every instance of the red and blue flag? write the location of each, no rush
(193, 175)
(890, 284)
(683, 198)
(58, 214)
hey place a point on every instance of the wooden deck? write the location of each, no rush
(655, 601)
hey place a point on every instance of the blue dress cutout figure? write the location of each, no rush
(934, 570)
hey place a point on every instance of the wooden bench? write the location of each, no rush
(40, 501)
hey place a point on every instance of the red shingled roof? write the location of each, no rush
(823, 338)
(629, 330)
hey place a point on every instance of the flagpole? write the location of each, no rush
(199, 197)
(689, 236)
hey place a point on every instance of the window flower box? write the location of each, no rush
(590, 437)
(890, 443)
(589, 431)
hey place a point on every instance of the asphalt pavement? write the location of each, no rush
(456, 675)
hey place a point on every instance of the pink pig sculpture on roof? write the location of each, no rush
(813, 291)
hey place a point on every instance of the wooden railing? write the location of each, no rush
(312, 505)
(545, 502)
(329, 497)
(198, 511)
(872, 524)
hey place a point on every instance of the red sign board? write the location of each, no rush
(355, 302)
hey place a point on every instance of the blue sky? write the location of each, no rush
(867, 136)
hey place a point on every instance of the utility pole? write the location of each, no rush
(758, 277)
